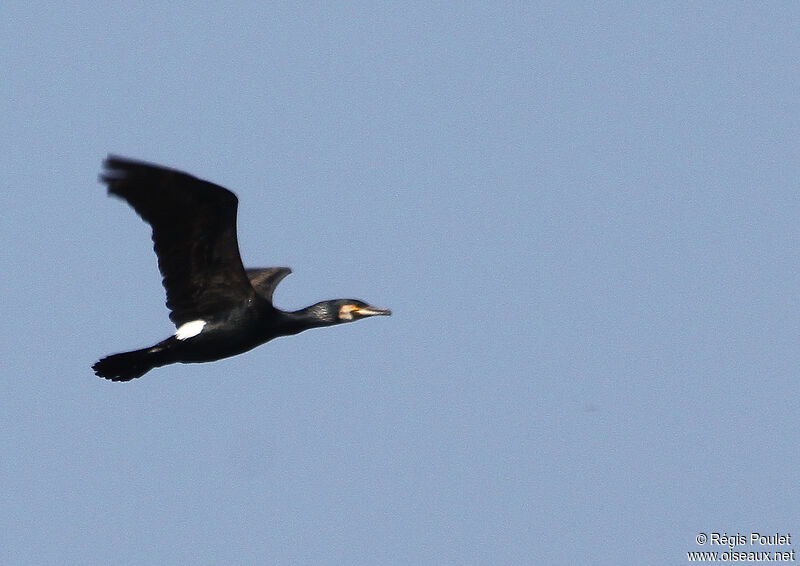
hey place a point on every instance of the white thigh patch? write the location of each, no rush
(189, 329)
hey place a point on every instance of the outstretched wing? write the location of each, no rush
(265, 279)
(194, 232)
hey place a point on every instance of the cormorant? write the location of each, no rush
(220, 308)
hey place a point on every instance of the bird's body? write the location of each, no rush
(219, 308)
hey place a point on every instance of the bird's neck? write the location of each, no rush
(313, 316)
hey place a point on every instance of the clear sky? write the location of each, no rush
(584, 217)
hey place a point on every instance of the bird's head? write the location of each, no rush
(344, 310)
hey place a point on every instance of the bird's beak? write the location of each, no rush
(372, 311)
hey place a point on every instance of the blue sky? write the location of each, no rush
(584, 217)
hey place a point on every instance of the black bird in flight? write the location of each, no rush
(220, 308)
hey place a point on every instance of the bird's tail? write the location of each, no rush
(129, 365)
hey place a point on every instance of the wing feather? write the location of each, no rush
(265, 279)
(194, 235)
